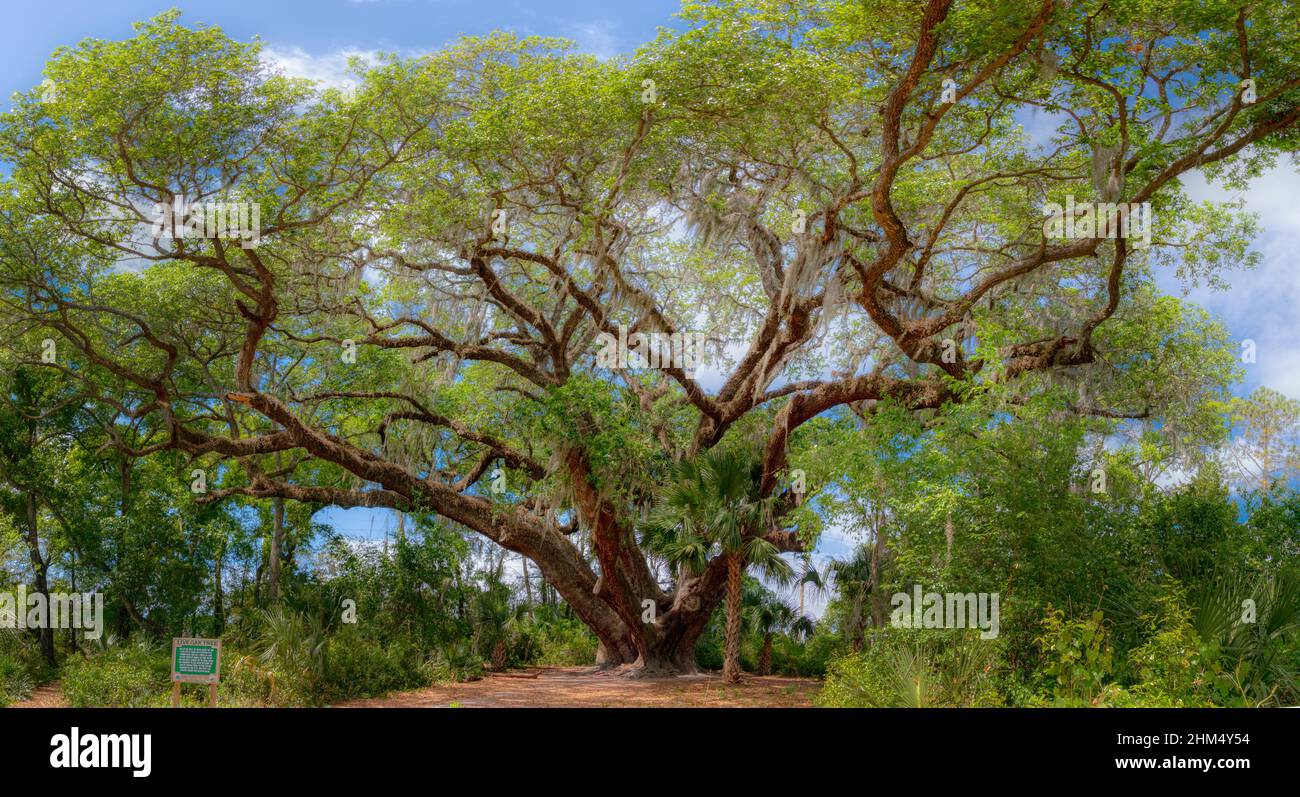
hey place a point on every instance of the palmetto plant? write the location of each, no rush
(915, 685)
(494, 619)
(459, 660)
(104, 643)
(715, 506)
(1253, 624)
(292, 642)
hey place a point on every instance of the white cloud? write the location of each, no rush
(596, 37)
(1262, 304)
(330, 70)
(1272, 195)
(1040, 125)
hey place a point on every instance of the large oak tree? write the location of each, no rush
(840, 195)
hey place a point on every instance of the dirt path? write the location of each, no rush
(583, 687)
(48, 696)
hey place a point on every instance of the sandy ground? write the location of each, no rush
(583, 687)
(568, 687)
(48, 696)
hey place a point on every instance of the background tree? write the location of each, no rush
(1269, 444)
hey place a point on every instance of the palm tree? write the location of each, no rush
(715, 507)
(854, 578)
(768, 618)
(809, 575)
(492, 618)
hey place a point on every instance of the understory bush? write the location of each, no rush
(123, 676)
(914, 669)
(21, 666)
(561, 642)
(360, 667)
(1181, 660)
(808, 659)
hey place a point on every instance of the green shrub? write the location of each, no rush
(805, 659)
(245, 682)
(126, 676)
(1172, 667)
(564, 642)
(1251, 623)
(1077, 657)
(456, 662)
(914, 669)
(21, 666)
(708, 651)
(294, 648)
(360, 667)
(1175, 668)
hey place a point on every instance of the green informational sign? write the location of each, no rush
(196, 660)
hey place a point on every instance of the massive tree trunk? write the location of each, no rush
(731, 662)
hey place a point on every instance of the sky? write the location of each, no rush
(315, 38)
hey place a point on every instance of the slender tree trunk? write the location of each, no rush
(277, 543)
(218, 596)
(40, 568)
(948, 533)
(731, 662)
(72, 579)
(855, 622)
(877, 591)
(124, 478)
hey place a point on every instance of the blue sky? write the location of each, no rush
(322, 28)
(313, 38)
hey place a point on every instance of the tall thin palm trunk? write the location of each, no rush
(731, 661)
(765, 658)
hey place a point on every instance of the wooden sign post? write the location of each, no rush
(196, 661)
